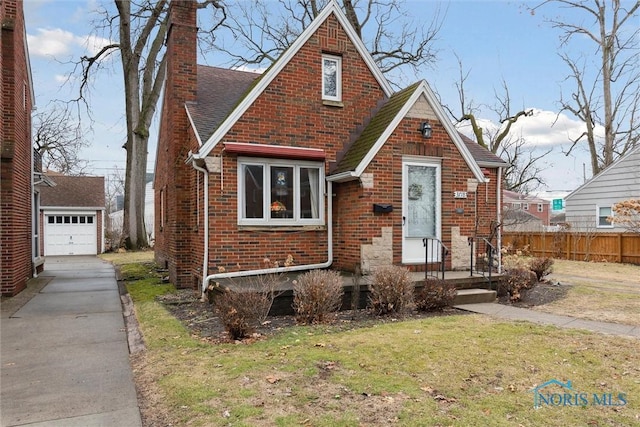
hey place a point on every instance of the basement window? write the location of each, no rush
(278, 192)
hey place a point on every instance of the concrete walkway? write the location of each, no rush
(64, 354)
(516, 313)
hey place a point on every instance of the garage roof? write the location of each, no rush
(74, 191)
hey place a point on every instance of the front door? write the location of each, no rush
(420, 209)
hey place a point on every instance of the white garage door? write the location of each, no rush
(70, 235)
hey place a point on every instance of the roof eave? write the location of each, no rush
(343, 176)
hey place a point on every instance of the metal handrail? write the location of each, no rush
(490, 252)
(444, 251)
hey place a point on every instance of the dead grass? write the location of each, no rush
(599, 291)
(451, 370)
(128, 257)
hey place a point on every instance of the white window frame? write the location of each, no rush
(338, 96)
(525, 206)
(598, 216)
(540, 207)
(266, 195)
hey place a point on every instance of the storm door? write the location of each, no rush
(420, 209)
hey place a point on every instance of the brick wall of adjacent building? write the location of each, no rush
(15, 170)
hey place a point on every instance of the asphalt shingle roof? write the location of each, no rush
(371, 133)
(479, 153)
(219, 92)
(74, 191)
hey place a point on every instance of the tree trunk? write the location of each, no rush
(134, 196)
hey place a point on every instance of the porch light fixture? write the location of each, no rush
(425, 130)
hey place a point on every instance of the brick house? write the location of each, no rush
(72, 215)
(523, 212)
(317, 158)
(20, 173)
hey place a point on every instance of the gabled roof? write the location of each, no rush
(634, 151)
(74, 191)
(509, 196)
(219, 90)
(261, 84)
(383, 124)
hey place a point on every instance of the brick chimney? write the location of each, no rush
(173, 178)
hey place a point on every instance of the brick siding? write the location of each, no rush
(15, 170)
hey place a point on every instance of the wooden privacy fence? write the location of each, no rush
(612, 247)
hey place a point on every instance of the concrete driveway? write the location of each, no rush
(64, 354)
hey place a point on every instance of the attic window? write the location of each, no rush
(331, 78)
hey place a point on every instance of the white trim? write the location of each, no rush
(266, 79)
(193, 126)
(609, 224)
(423, 89)
(72, 209)
(412, 161)
(338, 61)
(266, 164)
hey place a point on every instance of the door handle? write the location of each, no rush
(404, 219)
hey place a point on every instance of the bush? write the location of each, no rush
(541, 267)
(391, 290)
(435, 295)
(515, 281)
(240, 312)
(316, 294)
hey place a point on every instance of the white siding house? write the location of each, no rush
(588, 207)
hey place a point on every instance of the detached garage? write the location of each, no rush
(72, 215)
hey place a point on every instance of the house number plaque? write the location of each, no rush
(459, 194)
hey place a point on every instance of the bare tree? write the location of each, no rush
(523, 173)
(607, 90)
(260, 32)
(58, 139)
(140, 28)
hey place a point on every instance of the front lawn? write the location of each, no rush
(455, 370)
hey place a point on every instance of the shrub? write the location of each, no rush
(391, 290)
(316, 294)
(240, 312)
(515, 281)
(435, 295)
(541, 267)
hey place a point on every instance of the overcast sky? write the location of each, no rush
(494, 40)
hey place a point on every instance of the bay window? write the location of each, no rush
(280, 192)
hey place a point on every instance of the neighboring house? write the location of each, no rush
(589, 206)
(20, 173)
(534, 206)
(317, 158)
(72, 215)
(518, 220)
(115, 218)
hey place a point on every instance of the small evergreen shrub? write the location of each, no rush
(541, 267)
(515, 281)
(240, 312)
(436, 295)
(316, 294)
(391, 290)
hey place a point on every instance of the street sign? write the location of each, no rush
(557, 204)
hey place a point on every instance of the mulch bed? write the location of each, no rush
(201, 320)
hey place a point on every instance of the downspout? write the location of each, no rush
(33, 216)
(325, 264)
(499, 218)
(205, 261)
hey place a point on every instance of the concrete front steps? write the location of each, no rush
(474, 296)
